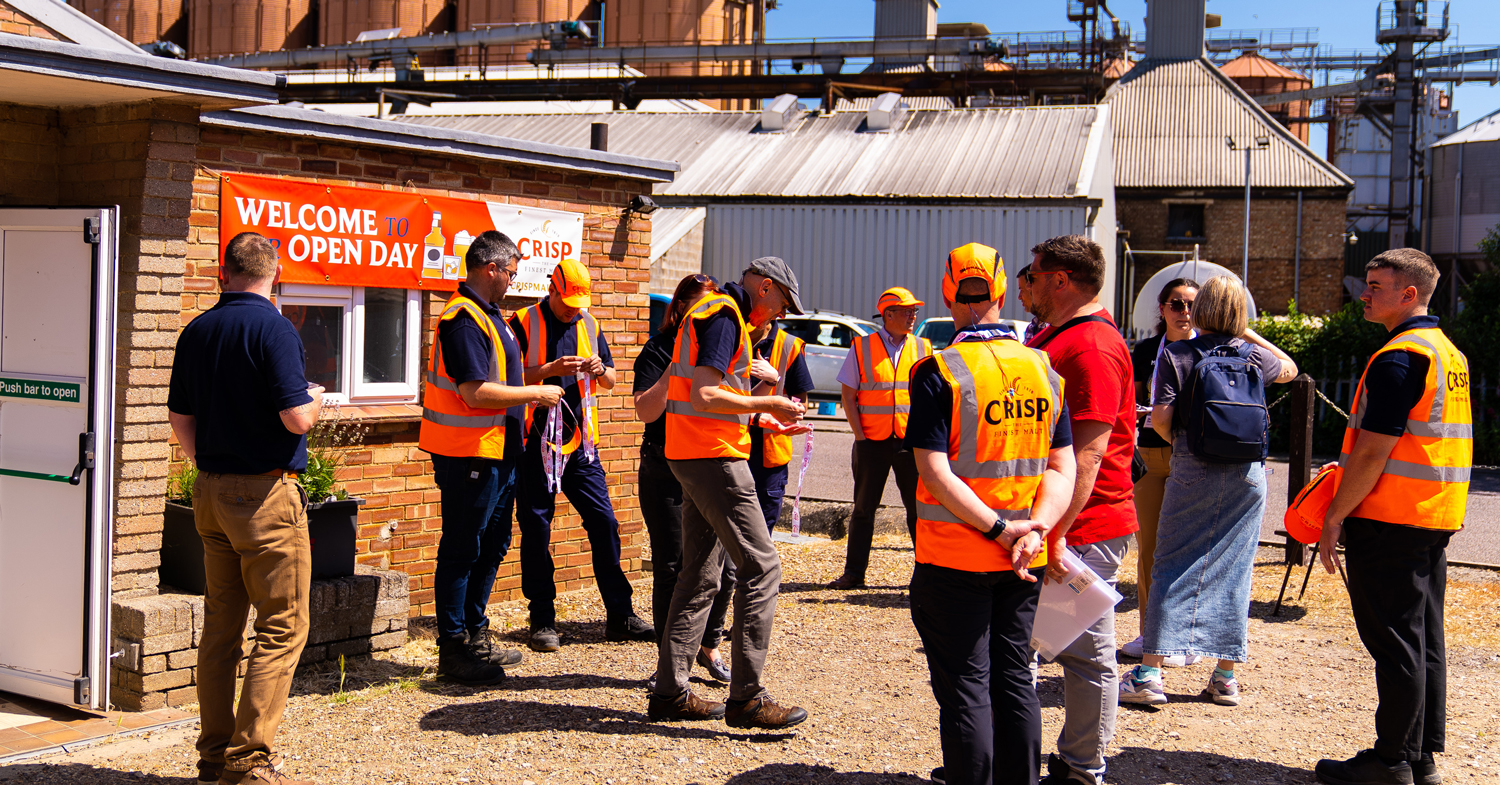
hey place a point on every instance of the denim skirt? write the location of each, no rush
(1205, 551)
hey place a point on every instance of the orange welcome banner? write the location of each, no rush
(350, 236)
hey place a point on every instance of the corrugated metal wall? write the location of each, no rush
(846, 255)
(1476, 194)
(1174, 29)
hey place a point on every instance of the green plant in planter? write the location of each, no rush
(326, 443)
(180, 484)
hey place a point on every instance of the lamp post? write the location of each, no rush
(1260, 143)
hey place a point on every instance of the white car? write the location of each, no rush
(939, 330)
(828, 336)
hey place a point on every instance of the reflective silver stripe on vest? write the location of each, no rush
(966, 463)
(440, 381)
(536, 351)
(1440, 430)
(1439, 398)
(884, 386)
(937, 512)
(1416, 471)
(464, 420)
(686, 409)
(784, 364)
(897, 409)
(738, 379)
(495, 344)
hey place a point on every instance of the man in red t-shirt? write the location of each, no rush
(1085, 347)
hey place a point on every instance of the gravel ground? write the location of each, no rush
(852, 658)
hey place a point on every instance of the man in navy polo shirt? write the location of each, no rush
(472, 409)
(240, 407)
(560, 342)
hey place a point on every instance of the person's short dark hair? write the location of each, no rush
(250, 255)
(1081, 257)
(491, 247)
(1021, 273)
(1412, 268)
(974, 286)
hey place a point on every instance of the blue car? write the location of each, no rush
(659, 303)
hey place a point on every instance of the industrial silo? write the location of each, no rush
(227, 27)
(1463, 190)
(476, 14)
(678, 22)
(140, 21)
(341, 21)
(1258, 76)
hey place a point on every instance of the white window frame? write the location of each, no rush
(352, 300)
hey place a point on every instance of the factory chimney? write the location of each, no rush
(1174, 29)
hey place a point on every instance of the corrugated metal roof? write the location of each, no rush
(1485, 129)
(968, 153)
(1170, 121)
(1250, 64)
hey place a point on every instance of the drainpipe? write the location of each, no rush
(1297, 263)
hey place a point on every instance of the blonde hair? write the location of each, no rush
(1222, 307)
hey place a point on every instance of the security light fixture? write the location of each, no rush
(1262, 141)
(643, 205)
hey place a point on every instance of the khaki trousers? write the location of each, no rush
(256, 553)
(1148, 495)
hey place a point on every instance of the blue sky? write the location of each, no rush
(1343, 24)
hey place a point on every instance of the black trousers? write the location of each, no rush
(661, 507)
(976, 630)
(1397, 578)
(873, 461)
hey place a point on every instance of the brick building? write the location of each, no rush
(1178, 184)
(88, 120)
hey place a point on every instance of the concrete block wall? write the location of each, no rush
(158, 635)
(1273, 237)
(400, 524)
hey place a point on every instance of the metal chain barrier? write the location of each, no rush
(1331, 404)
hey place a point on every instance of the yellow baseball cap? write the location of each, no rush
(571, 279)
(974, 260)
(896, 296)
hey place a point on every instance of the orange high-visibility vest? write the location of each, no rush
(535, 350)
(449, 426)
(1006, 400)
(884, 397)
(785, 350)
(1425, 482)
(692, 434)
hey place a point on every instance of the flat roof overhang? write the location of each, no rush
(61, 75)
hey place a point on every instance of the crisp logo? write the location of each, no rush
(1457, 380)
(996, 412)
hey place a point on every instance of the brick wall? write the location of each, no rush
(400, 524)
(1273, 237)
(17, 23)
(29, 141)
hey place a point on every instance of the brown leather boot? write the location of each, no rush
(763, 712)
(257, 769)
(211, 771)
(686, 707)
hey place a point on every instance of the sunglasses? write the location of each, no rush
(1179, 306)
(1032, 274)
(706, 280)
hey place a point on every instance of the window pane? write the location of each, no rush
(385, 335)
(321, 328)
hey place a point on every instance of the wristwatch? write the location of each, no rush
(996, 532)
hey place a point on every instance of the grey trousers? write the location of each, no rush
(1091, 692)
(721, 518)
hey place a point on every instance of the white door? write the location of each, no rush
(57, 327)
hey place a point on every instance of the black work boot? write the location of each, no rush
(458, 662)
(1366, 768)
(484, 648)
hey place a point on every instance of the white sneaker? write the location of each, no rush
(1134, 648)
(1225, 692)
(1180, 660)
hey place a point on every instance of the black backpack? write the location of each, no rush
(1227, 419)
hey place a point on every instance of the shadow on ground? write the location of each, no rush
(83, 774)
(779, 773)
(1145, 766)
(501, 716)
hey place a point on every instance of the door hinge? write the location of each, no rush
(91, 231)
(81, 692)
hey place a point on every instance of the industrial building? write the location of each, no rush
(122, 172)
(1463, 207)
(856, 201)
(1183, 131)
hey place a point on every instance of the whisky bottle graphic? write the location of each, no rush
(432, 259)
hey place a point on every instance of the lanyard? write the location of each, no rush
(552, 457)
(587, 404)
(807, 451)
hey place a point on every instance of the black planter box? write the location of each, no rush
(331, 527)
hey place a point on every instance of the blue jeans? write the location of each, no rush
(1205, 551)
(584, 485)
(477, 498)
(770, 488)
